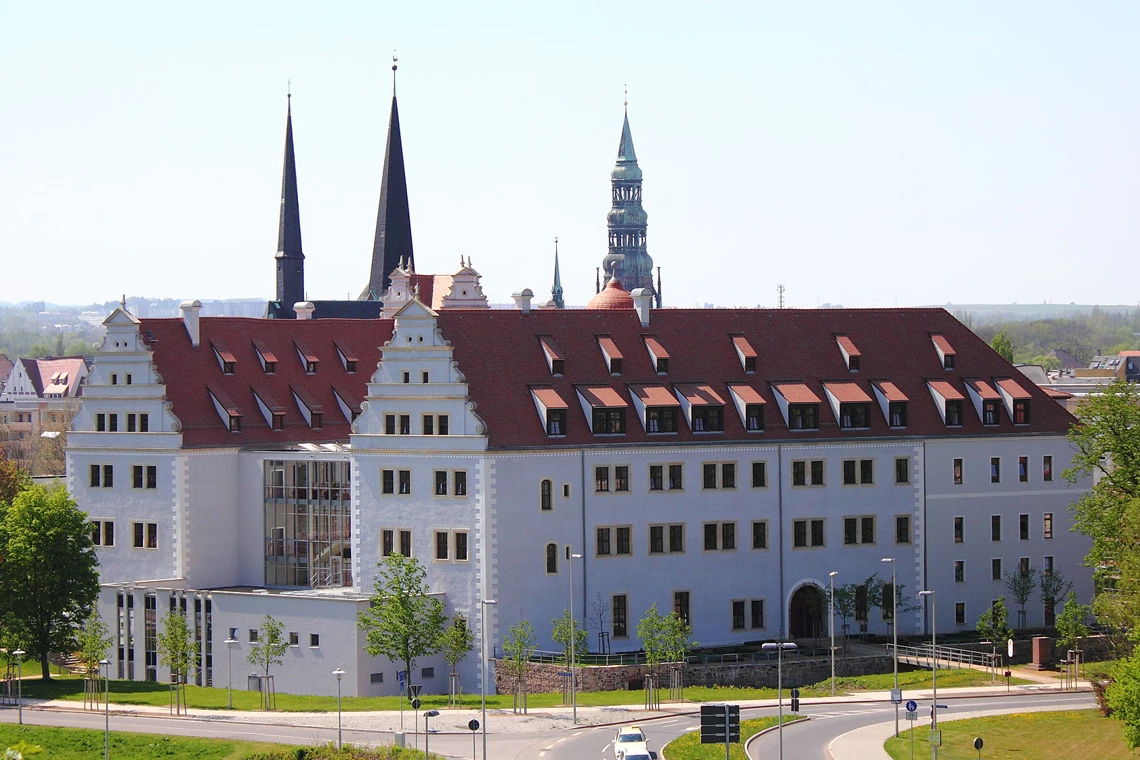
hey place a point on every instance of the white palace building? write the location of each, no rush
(716, 462)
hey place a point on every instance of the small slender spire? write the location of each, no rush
(556, 291)
(290, 257)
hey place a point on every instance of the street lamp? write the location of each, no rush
(896, 695)
(483, 665)
(831, 626)
(105, 664)
(573, 639)
(338, 673)
(780, 647)
(20, 683)
(230, 672)
(933, 673)
(428, 714)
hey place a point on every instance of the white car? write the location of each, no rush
(627, 735)
(634, 751)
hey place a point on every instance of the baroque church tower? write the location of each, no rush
(627, 259)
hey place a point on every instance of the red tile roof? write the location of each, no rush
(550, 398)
(654, 395)
(551, 347)
(262, 349)
(943, 344)
(797, 393)
(602, 397)
(889, 390)
(847, 345)
(1054, 393)
(656, 347)
(223, 354)
(609, 347)
(848, 392)
(345, 351)
(746, 349)
(983, 389)
(747, 393)
(946, 390)
(1011, 386)
(699, 394)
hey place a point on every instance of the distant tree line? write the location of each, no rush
(1084, 336)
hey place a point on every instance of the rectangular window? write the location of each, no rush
(442, 544)
(1021, 412)
(675, 471)
(151, 476)
(406, 543)
(112, 423)
(728, 536)
(757, 613)
(711, 534)
(429, 424)
(854, 415)
(100, 422)
(959, 530)
(656, 539)
(103, 532)
(799, 473)
(849, 472)
(856, 472)
(624, 544)
(959, 613)
(609, 421)
(601, 479)
(602, 545)
(460, 482)
(388, 481)
(995, 528)
(902, 470)
(252, 635)
(803, 416)
(442, 424)
(737, 614)
(817, 472)
(108, 476)
(1023, 469)
(799, 533)
(760, 534)
(621, 478)
(145, 535)
(660, 419)
(389, 424)
(1047, 567)
(1023, 527)
(294, 639)
(314, 641)
(902, 529)
(137, 476)
(817, 533)
(728, 475)
(754, 418)
(405, 482)
(656, 478)
(759, 474)
(440, 482)
(896, 412)
(132, 423)
(405, 424)
(708, 419)
(619, 609)
(1047, 468)
(1047, 524)
(681, 605)
(995, 469)
(387, 542)
(709, 476)
(959, 571)
(995, 569)
(556, 422)
(859, 530)
(1023, 566)
(677, 538)
(954, 413)
(144, 423)
(460, 546)
(989, 412)
(957, 472)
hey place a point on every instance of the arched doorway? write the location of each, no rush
(805, 613)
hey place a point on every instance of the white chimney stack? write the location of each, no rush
(522, 300)
(190, 311)
(642, 301)
(304, 309)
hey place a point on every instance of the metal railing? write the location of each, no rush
(638, 658)
(944, 657)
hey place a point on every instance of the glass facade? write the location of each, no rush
(308, 528)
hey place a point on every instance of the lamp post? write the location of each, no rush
(933, 671)
(780, 647)
(338, 673)
(483, 666)
(105, 664)
(896, 696)
(230, 672)
(573, 640)
(831, 626)
(20, 683)
(428, 714)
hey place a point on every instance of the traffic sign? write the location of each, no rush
(415, 689)
(936, 738)
(416, 703)
(401, 676)
(473, 724)
(1009, 647)
(564, 674)
(978, 743)
(911, 715)
(911, 705)
(720, 724)
(896, 696)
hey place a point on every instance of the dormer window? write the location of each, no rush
(605, 407)
(609, 421)
(350, 365)
(226, 360)
(278, 421)
(799, 404)
(989, 412)
(853, 363)
(557, 367)
(750, 406)
(346, 355)
(708, 419)
(556, 422)
(660, 419)
(235, 423)
(551, 410)
(308, 359)
(857, 415)
(266, 357)
(270, 368)
(555, 359)
(850, 404)
(1016, 400)
(803, 416)
(944, 349)
(611, 354)
(850, 353)
(310, 367)
(657, 354)
(745, 353)
(317, 420)
(704, 407)
(892, 401)
(954, 413)
(1021, 412)
(754, 418)
(948, 400)
(896, 414)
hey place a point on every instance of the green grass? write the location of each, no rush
(84, 744)
(1074, 735)
(689, 747)
(158, 695)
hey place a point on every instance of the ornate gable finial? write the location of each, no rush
(394, 61)
(626, 100)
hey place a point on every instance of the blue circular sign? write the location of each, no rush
(911, 706)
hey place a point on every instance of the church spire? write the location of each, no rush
(393, 240)
(556, 291)
(627, 259)
(290, 259)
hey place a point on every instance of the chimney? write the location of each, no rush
(190, 311)
(522, 300)
(304, 309)
(642, 301)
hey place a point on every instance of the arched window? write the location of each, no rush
(546, 498)
(552, 558)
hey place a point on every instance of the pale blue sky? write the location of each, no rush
(864, 153)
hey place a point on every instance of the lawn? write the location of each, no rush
(84, 744)
(689, 747)
(1073, 735)
(158, 695)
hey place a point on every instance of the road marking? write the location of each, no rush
(564, 738)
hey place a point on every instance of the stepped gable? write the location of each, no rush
(500, 353)
(189, 372)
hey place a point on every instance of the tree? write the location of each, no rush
(843, 602)
(176, 650)
(1021, 586)
(519, 646)
(13, 479)
(48, 580)
(93, 639)
(1071, 626)
(1054, 586)
(1123, 697)
(601, 612)
(993, 624)
(1003, 345)
(561, 636)
(457, 642)
(664, 638)
(268, 650)
(402, 622)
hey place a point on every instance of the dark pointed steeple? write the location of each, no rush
(556, 291)
(627, 259)
(393, 241)
(290, 259)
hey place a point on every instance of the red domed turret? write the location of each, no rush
(612, 296)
